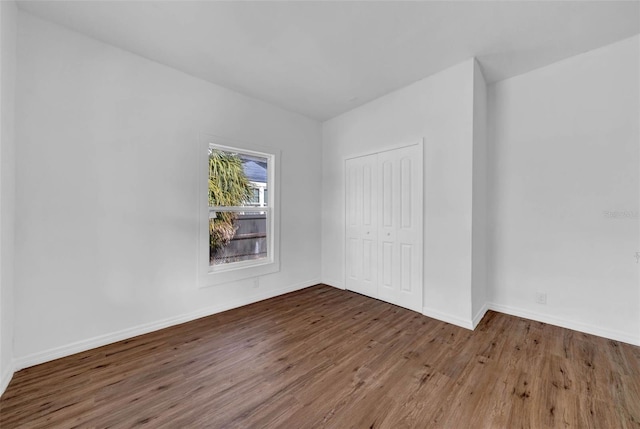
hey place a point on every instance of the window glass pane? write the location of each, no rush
(237, 236)
(235, 178)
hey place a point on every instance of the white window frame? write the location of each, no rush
(217, 275)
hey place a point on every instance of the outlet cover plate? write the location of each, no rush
(541, 298)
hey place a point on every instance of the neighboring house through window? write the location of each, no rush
(256, 172)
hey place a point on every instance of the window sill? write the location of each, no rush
(217, 277)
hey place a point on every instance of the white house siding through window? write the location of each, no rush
(256, 172)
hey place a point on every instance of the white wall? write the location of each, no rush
(564, 152)
(479, 235)
(107, 201)
(106, 236)
(8, 25)
(439, 109)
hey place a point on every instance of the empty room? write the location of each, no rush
(336, 214)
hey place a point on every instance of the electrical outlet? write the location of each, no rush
(256, 282)
(541, 298)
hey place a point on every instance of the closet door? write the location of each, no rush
(361, 225)
(400, 227)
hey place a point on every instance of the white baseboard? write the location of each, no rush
(333, 284)
(84, 345)
(563, 323)
(5, 378)
(102, 340)
(445, 317)
(479, 315)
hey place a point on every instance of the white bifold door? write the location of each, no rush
(383, 216)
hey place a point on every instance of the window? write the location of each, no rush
(237, 181)
(241, 235)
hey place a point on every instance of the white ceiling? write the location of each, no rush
(324, 58)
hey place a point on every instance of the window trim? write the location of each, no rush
(209, 276)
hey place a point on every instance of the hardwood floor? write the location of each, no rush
(323, 357)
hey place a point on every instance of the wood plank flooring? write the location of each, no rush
(323, 357)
